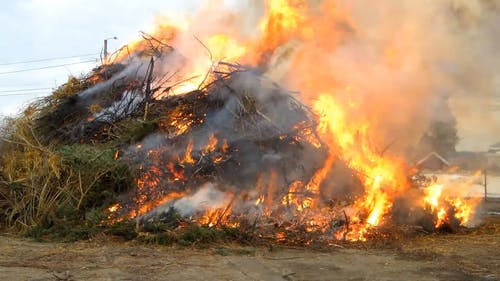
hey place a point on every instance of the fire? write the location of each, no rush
(282, 22)
(433, 194)
(315, 184)
(225, 146)
(280, 236)
(165, 31)
(225, 48)
(146, 207)
(214, 217)
(295, 197)
(348, 126)
(211, 145)
(114, 208)
(188, 158)
(177, 172)
(382, 177)
(463, 211)
(443, 205)
(116, 155)
(260, 200)
(181, 124)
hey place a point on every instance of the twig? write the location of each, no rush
(211, 59)
(148, 87)
(206, 48)
(226, 209)
(387, 147)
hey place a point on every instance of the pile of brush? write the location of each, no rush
(121, 129)
(123, 136)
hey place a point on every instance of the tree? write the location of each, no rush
(441, 137)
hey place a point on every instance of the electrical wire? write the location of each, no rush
(48, 59)
(23, 94)
(24, 90)
(46, 67)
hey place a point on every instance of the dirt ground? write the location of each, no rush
(467, 256)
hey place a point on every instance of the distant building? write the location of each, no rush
(434, 162)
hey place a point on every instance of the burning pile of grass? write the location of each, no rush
(169, 141)
(240, 153)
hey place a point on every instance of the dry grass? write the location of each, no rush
(32, 184)
(38, 180)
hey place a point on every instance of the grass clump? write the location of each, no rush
(188, 235)
(44, 186)
(74, 230)
(73, 86)
(54, 188)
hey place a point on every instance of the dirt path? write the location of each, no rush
(23, 260)
(443, 257)
(470, 256)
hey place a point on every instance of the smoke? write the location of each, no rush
(397, 60)
(119, 109)
(424, 50)
(400, 60)
(136, 69)
(206, 198)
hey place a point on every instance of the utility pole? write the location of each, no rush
(106, 47)
(485, 185)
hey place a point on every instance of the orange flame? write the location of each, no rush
(347, 123)
(383, 178)
(187, 156)
(212, 144)
(441, 204)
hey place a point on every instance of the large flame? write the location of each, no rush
(290, 46)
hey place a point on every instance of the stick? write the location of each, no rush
(387, 147)
(148, 87)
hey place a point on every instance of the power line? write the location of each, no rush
(23, 94)
(46, 67)
(48, 59)
(24, 90)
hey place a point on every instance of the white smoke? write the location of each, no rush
(207, 197)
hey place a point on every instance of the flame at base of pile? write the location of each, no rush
(294, 220)
(225, 157)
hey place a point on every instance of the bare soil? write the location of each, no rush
(472, 255)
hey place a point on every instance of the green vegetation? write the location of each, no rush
(42, 184)
(53, 188)
(191, 235)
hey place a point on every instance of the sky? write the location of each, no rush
(74, 30)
